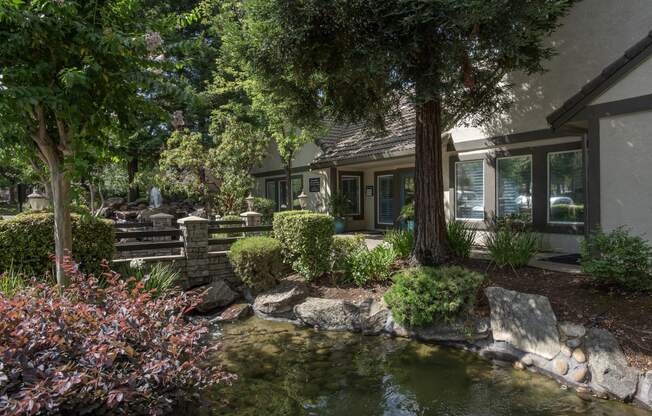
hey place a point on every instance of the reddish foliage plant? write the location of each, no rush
(88, 349)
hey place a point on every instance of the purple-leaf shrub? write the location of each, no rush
(91, 349)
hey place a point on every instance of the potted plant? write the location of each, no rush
(407, 216)
(338, 204)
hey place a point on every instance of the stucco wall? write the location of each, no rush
(638, 82)
(594, 34)
(626, 172)
(272, 161)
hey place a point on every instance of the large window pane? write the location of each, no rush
(514, 183)
(270, 193)
(469, 190)
(351, 190)
(283, 194)
(386, 199)
(566, 187)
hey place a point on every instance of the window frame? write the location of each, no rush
(355, 178)
(549, 188)
(278, 189)
(378, 177)
(484, 196)
(497, 179)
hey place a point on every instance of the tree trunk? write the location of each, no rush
(430, 241)
(62, 222)
(289, 185)
(132, 169)
(12, 194)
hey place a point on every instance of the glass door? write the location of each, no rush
(407, 188)
(385, 188)
(282, 195)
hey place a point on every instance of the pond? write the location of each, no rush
(284, 370)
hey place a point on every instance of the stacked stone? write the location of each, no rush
(195, 249)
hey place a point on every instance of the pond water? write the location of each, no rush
(284, 370)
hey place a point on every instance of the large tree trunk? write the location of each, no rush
(430, 241)
(132, 169)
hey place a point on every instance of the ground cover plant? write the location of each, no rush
(461, 237)
(84, 349)
(369, 266)
(401, 241)
(422, 295)
(618, 257)
(511, 242)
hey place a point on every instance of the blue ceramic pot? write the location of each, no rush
(340, 225)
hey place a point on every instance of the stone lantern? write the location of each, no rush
(251, 217)
(37, 201)
(303, 200)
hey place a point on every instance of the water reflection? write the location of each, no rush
(285, 371)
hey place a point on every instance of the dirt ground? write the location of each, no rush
(575, 298)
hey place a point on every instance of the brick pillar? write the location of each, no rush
(162, 221)
(195, 248)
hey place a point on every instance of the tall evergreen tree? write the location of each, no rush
(359, 59)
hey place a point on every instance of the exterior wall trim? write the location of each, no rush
(279, 172)
(362, 159)
(592, 158)
(614, 108)
(528, 136)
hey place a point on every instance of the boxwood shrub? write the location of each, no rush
(27, 241)
(306, 239)
(257, 261)
(618, 257)
(423, 295)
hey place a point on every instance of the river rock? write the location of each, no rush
(610, 372)
(572, 330)
(329, 314)
(524, 320)
(234, 313)
(280, 301)
(459, 331)
(579, 356)
(644, 394)
(216, 295)
(394, 328)
(373, 316)
(579, 374)
(560, 365)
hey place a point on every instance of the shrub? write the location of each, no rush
(344, 249)
(461, 237)
(306, 239)
(371, 265)
(511, 242)
(11, 282)
(88, 350)
(422, 295)
(407, 212)
(618, 257)
(257, 261)
(266, 207)
(28, 240)
(402, 242)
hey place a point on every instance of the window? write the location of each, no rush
(514, 186)
(351, 188)
(566, 187)
(469, 190)
(277, 191)
(385, 197)
(297, 188)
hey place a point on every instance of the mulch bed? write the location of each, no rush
(574, 298)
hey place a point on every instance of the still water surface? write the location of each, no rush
(288, 371)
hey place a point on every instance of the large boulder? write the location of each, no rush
(523, 320)
(215, 295)
(644, 394)
(234, 312)
(610, 372)
(279, 302)
(373, 317)
(329, 314)
(114, 202)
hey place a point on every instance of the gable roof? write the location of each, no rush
(352, 143)
(608, 77)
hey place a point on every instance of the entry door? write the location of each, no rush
(407, 188)
(282, 194)
(385, 188)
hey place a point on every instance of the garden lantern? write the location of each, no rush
(37, 201)
(303, 200)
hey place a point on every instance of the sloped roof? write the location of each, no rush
(608, 77)
(346, 144)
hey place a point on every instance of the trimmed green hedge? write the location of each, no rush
(27, 241)
(306, 239)
(257, 261)
(424, 295)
